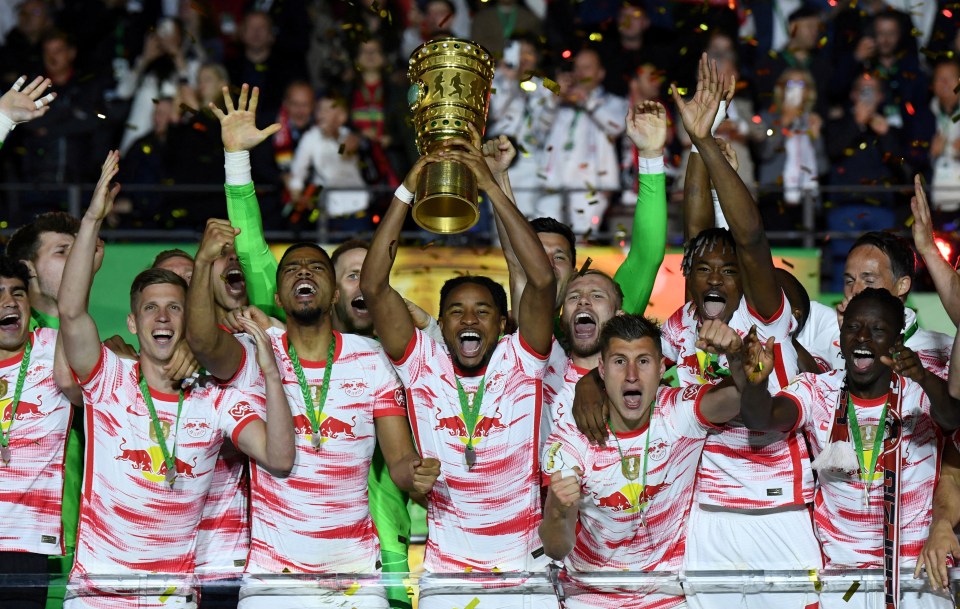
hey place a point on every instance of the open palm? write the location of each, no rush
(699, 113)
(238, 127)
(647, 126)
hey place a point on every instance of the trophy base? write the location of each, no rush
(446, 200)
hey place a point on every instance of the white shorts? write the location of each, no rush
(720, 540)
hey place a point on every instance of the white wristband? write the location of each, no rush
(6, 126)
(719, 118)
(719, 219)
(648, 166)
(403, 194)
(237, 167)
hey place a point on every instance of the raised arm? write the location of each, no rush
(239, 133)
(945, 277)
(216, 349)
(944, 408)
(271, 443)
(697, 209)
(954, 373)
(389, 312)
(499, 153)
(647, 129)
(81, 341)
(759, 410)
(540, 293)
(21, 104)
(722, 403)
(762, 292)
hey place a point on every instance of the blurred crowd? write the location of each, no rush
(858, 94)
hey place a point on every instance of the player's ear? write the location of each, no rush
(131, 323)
(276, 300)
(663, 366)
(902, 287)
(336, 297)
(600, 367)
(503, 324)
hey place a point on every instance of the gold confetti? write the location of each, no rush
(472, 604)
(551, 86)
(849, 593)
(343, 147)
(428, 245)
(352, 589)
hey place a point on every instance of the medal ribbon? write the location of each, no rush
(867, 470)
(313, 415)
(18, 389)
(910, 332)
(470, 410)
(168, 458)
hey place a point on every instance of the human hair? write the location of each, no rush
(496, 290)
(883, 298)
(60, 35)
(151, 277)
(617, 291)
(809, 87)
(903, 260)
(169, 254)
(550, 225)
(707, 239)
(11, 268)
(629, 328)
(25, 242)
(346, 246)
(299, 246)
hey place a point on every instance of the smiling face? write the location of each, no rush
(714, 283)
(157, 319)
(351, 310)
(471, 325)
(590, 302)
(631, 372)
(305, 285)
(869, 330)
(14, 314)
(229, 284)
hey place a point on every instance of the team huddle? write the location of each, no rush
(279, 415)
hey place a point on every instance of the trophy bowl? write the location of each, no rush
(450, 83)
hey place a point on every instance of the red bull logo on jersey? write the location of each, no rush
(455, 426)
(354, 387)
(496, 384)
(25, 410)
(329, 427)
(197, 428)
(658, 449)
(37, 373)
(149, 462)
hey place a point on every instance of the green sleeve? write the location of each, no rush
(647, 245)
(258, 262)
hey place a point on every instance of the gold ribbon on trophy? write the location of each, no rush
(450, 89)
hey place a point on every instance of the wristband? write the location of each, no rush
(236, 165)
(719, 219)
(721, 115)
(6, 126)
(403, 194)
(648, 166)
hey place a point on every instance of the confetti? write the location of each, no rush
(443, 22)
(551, 86)
(343, 147)
(786, 263)
(472, 604)
(428, 245)
(356, 585)
(585, 267)
(849, 593)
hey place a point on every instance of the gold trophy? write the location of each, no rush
(450, 89)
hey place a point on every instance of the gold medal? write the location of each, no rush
(630, 466)
(171, 477)
(5, 454)
(470, 456)
(316, 440)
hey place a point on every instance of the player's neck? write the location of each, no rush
(588, 362)
(46, 305)
(157, 377)
(6, 354)
(312, 342)
(619, 425)
(871, 391)
(221, 313)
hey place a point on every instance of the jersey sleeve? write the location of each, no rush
(780, 325)
(803, 391)
(533, 364)
(389, 399)
(236, 410)
(258, 262)
(681, 407)
(670, 337)
(638, 271)
(420, 350)
(104, 380)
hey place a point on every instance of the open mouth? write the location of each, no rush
(10, 322)
(304, 290)
(713, 305)
(863, 359)
(236, 283)
(162, 337)
(633, 399)
(469, 343)
(584, 326)
(359, 306)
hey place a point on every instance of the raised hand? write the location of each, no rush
(218, 235)
(904, 360)
(699, 113)
(729, 152)
(565, 489)
(717, 337)
(647, 127)
(103, 195)
(264, 348)
(499, 154)
(757, 357)
(182, 364)
(238, 127)
(29, 103)
(468, 153)
(922, 224)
